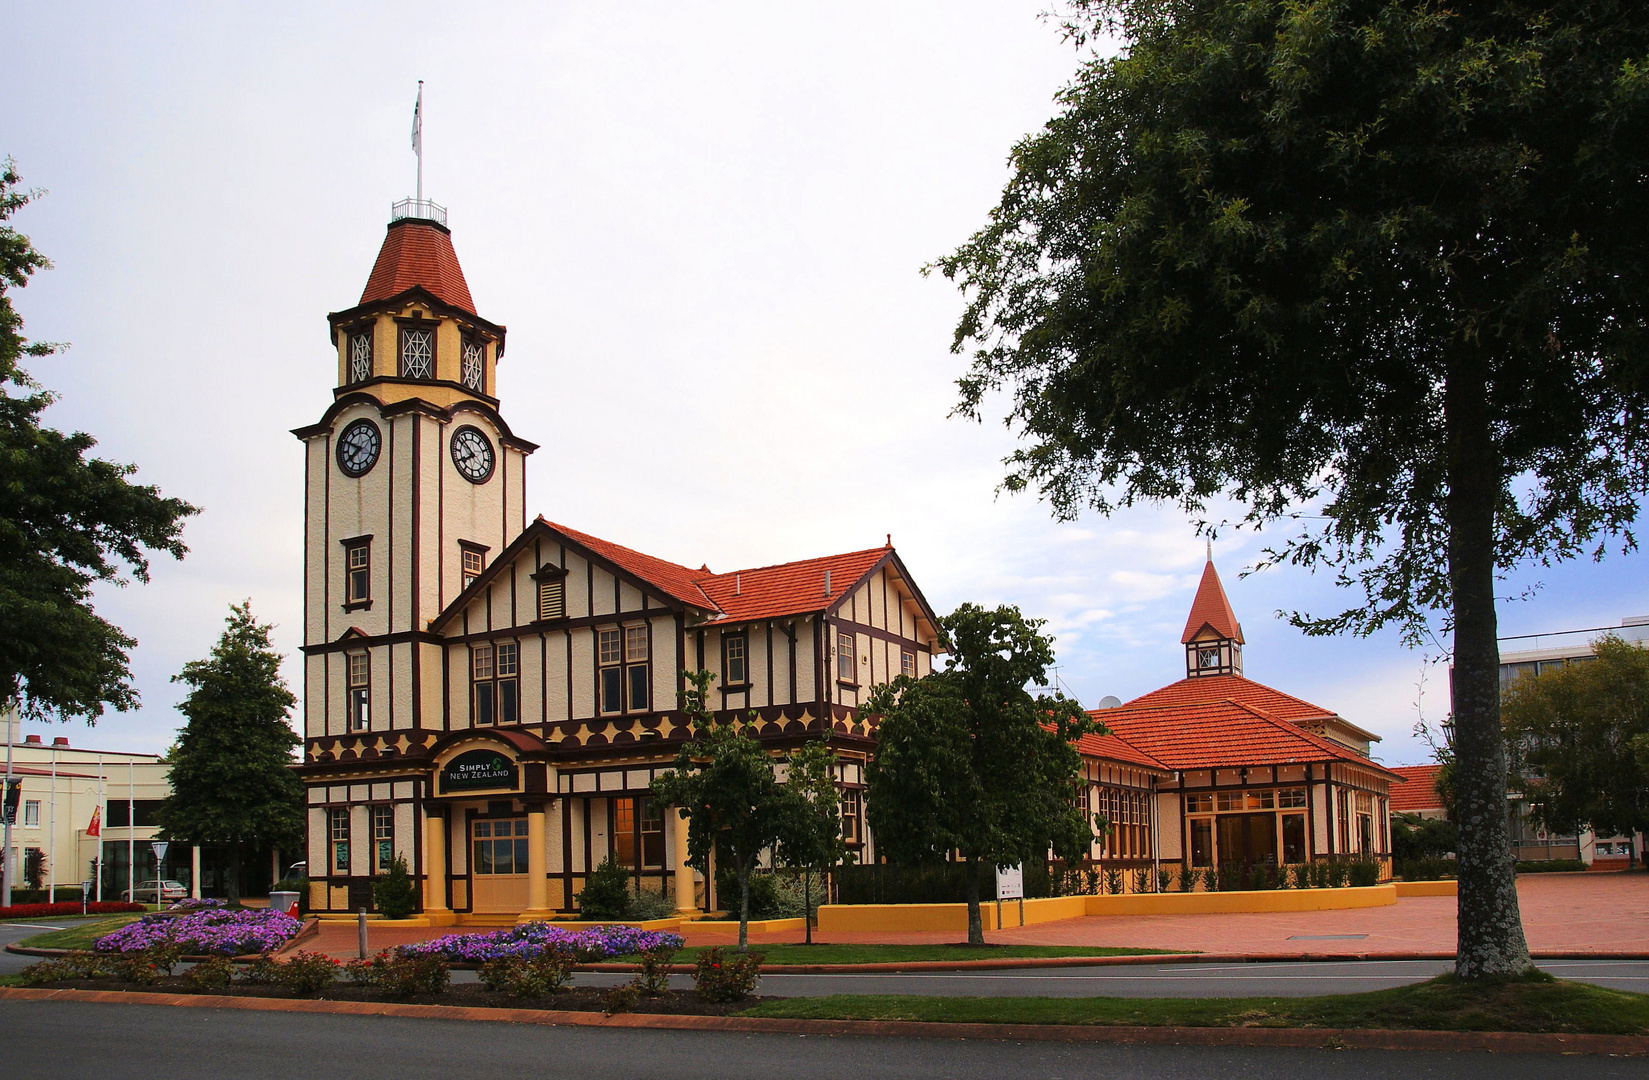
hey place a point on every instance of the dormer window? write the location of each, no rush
(1208, 658)
(417, 353)
(360, 356)
(474, 369)
(473, 560)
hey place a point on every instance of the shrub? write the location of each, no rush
(1165, 878)
(621, 997)
(214, 973)
(1142, 879)
(1113, 881)
(723, 977)
(940, 883)
(606, 893)
(1210, 879)
(135, 967)
(43, 911)
(1363, 872)
(1339, 873)
(400, 975)
(264, 971)
(650, 904)
(529, 977)
(764, 895)
(392, 891)
(1186, 879)
(1427, 869)
(34, 868)
(791, 901)
(307, 972)
(654, 979)
(1322, 875)
(1550, 866)
(74, 965)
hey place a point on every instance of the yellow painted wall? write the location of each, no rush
(1427, 888)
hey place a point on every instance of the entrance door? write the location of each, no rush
(1248, 839)
(498, 849)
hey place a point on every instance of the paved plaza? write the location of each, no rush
(1603, 914)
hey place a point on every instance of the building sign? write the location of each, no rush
(1010, 883)
(478, 770)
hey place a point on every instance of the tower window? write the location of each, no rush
(475, 365)
(360, 356)
(473, 558)
(359, 716)
(552, 598)
(417, 353)
(734, 671)
(845, 668)
(357, 573)
(495, 679)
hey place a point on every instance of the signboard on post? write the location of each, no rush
(1010, 883)
(159, 848)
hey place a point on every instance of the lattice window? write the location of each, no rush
(475, 368)
(360, 357)
(418, 354)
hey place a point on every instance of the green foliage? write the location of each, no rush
(213, 973)
(606, 892)
(393, 893)
(1370, 270)
(34, 870)
(621, 998)
(67, 523)
(530, 977)
(1361, 873)
(1414, 837)
(1583, 734)
(722, 977)
(72, 965)
(654, 979)
(725, 785)
(1426, 869)
(810, 839)
(1113, 881)
(763, 892)
(231, 775)
(968, 760)
(264, 970)
(399, 975)
(648, 904)
(1550, 866)
(305, 972)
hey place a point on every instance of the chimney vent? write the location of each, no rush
(61, 740)
(827, 582)
(31, 740)
(737, 578)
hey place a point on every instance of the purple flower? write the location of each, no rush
(530, 939)
(209, 930)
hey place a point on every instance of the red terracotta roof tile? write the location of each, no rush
(1206, 688)
(1222, 735)
(794, 588)
(417, 253)
(1211, 608)
(1420, 793)
(672, 578)
(1113, 747)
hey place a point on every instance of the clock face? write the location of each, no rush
(472, 454)
(358, 448)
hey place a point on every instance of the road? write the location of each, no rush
(117, 1042)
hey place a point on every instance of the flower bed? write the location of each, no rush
(211, 931)
(39, 911)
(198, 904)
(530, 939)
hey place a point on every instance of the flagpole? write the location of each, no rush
(6, 877)
(102, 799)
(131, 830)
(418, 140)
(51, 836)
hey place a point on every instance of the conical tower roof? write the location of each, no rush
(417, 253)
(1212, 609)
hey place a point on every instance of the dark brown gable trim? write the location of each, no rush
(882, 635)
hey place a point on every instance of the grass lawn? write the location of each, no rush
(80, 935)
(1537, 1003)
(902, 954)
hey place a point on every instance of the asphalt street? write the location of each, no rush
(117, 1042)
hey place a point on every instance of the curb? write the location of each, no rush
(1336, 1038)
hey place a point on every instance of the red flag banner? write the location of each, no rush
(96, 827)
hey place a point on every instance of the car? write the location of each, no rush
(169, 890)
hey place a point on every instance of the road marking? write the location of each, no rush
(35, 926)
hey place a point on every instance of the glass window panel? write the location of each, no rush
(1202, 843)
(638, 686)
(483, 828)
(484, 703)
(844, 657)
(417, 354)
(520, 857)
(1294, 838)
(907, 664)
(734, 645)
(612, 686)
(509, 658)
(521, 827)
(481, 658)
(1228, 800)
(483, 856)
(635, 644)
(509, 701)
(609, 651)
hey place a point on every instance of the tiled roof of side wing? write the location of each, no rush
(1207, 688)
(1420, 793)
(674, 579)
(1222, 734)
(416, 254)
(793, 588)
(1115, 748)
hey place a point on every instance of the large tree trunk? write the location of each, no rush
(976, 926)
(1490, 939)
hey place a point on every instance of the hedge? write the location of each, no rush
(942, 883)
(1549, 866)
(37, 911)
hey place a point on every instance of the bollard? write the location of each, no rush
(362, 925)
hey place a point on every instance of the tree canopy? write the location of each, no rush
(969, 760)
(810, 838)
(67, 522)
(1578, 729)
(231, 776)
(1374, 264)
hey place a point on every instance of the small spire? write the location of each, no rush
(889, 539)
(1209, 542)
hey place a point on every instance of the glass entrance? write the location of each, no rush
(1248, 839)
(498, 848)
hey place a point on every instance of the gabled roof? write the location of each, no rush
(793, 588)
(1420, 793)
(418, 254)
(1212, 609)
(1114, 748)
(1222, 735)
(673, 579)
(1209, 688)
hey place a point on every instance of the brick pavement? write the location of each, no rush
(1598, 913)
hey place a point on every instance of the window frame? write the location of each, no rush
(495, 693)
(847, 660)
(358, 336)
(31, 810)
(732, 643)
(852, 816)
(552, 585)
(468, 552)
(907, 662)
(357, 575)
(624, 672)
(338, 838)
(466, 343)
(407, 328)
(383, 837)
(358, 691)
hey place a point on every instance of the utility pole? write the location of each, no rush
(8, 812)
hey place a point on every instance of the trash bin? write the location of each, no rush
(284, 901)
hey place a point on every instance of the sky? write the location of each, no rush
(704, 226)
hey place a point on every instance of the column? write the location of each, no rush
(435, 862)
(194, 872)
(686, 903)
(538, 885)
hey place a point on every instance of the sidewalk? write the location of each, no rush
(1595, 913)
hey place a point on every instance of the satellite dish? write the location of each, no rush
(1110, 701)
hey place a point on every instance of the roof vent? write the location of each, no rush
(1635, 620)
(31, 740)
(61, 740)
(736, 586)
(827, 582)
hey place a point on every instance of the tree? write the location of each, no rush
(724, 783)
(393, 893)
(968, 760)
(1577, 728)
(66, 523)
(1373, 264)
(232, 781)
(1415, 837)
(811, 837)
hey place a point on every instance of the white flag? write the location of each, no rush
(418, 120)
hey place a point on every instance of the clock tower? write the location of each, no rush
(412, 481)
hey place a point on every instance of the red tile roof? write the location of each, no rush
(794, 588)
(1221, 735)
(418, 253)
(1113, 748)
(1211, 608)
(1420, 793)
(672, 578)
(1208, 688)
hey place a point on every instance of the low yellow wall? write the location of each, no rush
(1427, 888)
(913, 918)
(757, 926)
